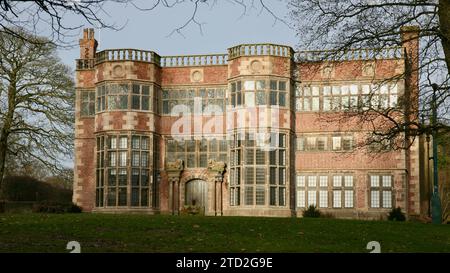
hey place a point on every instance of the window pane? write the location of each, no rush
(336, 143)
(273, 196)
(261, 98)
(387, 199)
(323, 199)
(145, 90)
(144, 143)
(282, 99)
(123, 102)
(337, 181)
(249, 85)
(122, 159)
(111, 197)
(135, 159)
(387, 181)
(281, 196)
(123, 142)
(122, 177)
(374, 181)
(135, 140)
(122, 197)
(323, 181)
(112, 159)
(145, 103)
(312, 198)
(260, 196)
(249, 175)
(135, 103)
(348, 201)
(282, 176)
(249, 195)
(112, 177)
(273, 85)
(135, 197)
(312, 181)
(375, 199)
(300, 180)
(273, 175)
(260, 85)
(135, 177)
(348, 181)
(144, 197)
(301, 199)
(315, 104)
(337, 202)
(273, 98)
(250, 99)
(281, 86)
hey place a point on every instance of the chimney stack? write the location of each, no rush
(88, 44)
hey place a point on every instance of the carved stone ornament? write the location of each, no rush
(175, 166)
(216, 166)
(118, 71)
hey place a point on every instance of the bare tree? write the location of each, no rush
(339, 26)
(36, 101)
(37, 16)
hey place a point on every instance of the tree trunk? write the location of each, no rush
(444, 22)
(7, 123)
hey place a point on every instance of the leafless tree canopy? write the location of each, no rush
(38, 16)
(36, 101)
(342, 25)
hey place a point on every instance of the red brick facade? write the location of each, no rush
(339, 181)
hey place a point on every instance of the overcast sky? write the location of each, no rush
(223, 27)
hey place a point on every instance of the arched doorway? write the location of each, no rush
(196, 193)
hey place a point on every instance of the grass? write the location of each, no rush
(161, 233)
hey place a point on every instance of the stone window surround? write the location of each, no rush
(380, 190)
(330, 188)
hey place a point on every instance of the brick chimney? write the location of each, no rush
(88, 45)
(410, 42)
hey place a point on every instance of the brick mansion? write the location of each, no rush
(246, 132)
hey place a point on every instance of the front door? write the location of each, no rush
(196, 193)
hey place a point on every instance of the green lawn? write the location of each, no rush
(143, 233)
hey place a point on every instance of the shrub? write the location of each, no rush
(396, 214)
(312, 211)
(56, 207)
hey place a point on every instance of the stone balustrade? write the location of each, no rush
(239, 51)
(194, 60)
(127, 55)
(260, 50)
(350, 55)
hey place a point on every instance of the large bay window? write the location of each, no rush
(258, 172)
(124, 176)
